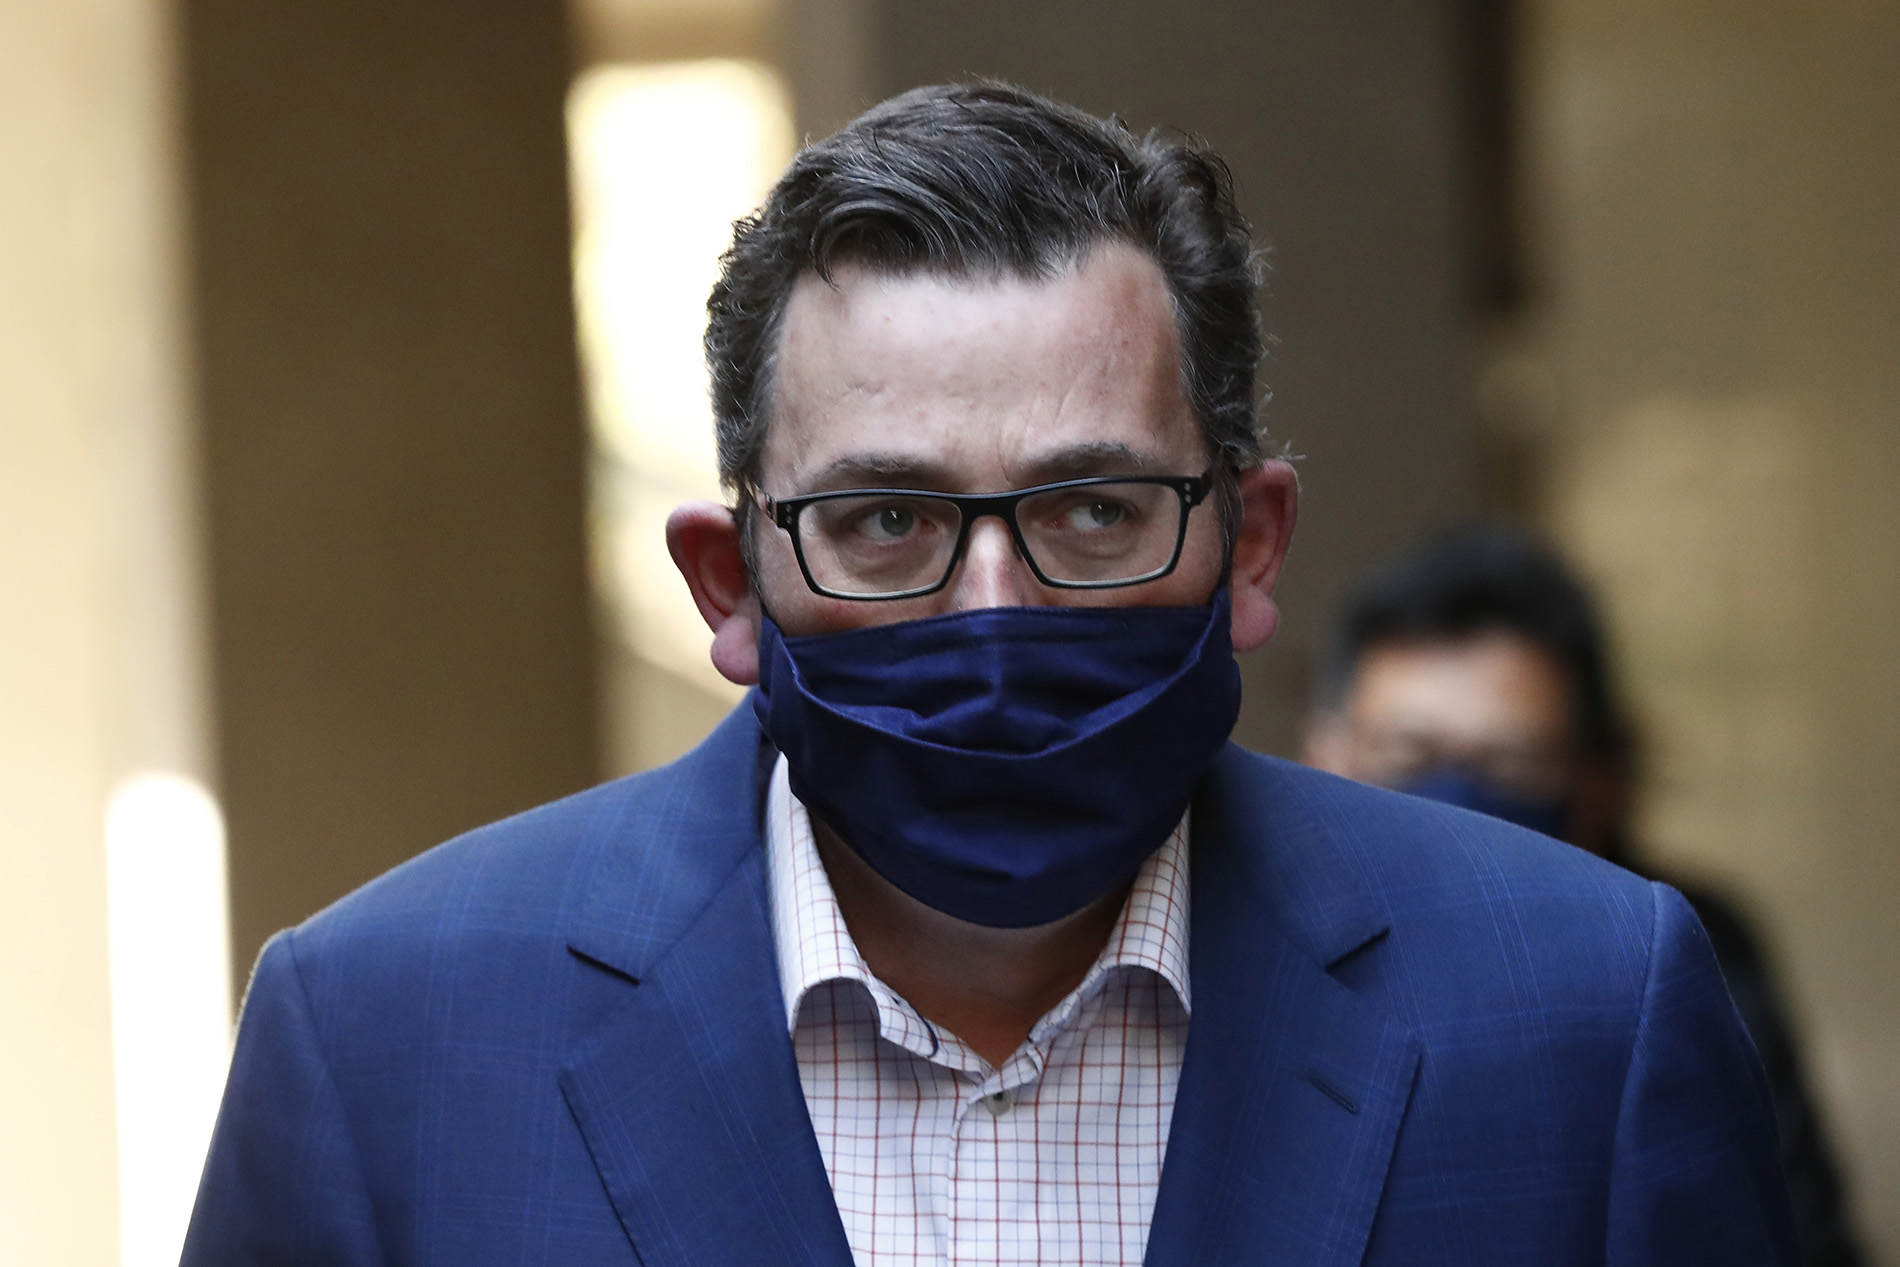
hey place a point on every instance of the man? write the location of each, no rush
(1472, 670)
(971, 940)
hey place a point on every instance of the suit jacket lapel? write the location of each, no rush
(687, 1093)
(1293, 1087)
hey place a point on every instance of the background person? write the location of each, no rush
(1473, 670)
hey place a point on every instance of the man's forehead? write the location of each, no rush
(911, 379)
(1093, 295)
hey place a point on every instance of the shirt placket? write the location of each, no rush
(993, 1183)
(959, 1081)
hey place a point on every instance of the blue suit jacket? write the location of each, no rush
(1419, 1037)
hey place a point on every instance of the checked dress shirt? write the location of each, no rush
(936, 1158)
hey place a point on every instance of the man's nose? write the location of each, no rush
(992, 573)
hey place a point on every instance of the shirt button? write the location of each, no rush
(1000, 1103)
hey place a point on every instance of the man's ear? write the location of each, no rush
(703, 538)
(1269, 503)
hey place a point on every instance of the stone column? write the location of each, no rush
(393, 432)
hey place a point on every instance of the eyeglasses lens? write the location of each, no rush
(888, 543)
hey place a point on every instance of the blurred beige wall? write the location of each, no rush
(100, 665)
(394, 447)
(1718, 225)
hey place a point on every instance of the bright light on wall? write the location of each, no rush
(171, 1008)
(665, 158)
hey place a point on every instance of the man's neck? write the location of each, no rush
(988, 986)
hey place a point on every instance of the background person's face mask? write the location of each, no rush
(1007, 766)
(1459, 785)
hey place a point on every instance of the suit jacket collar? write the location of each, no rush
(688, 1094)
(1293, 1087)
(663, 850)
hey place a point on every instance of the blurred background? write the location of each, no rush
(348, 365)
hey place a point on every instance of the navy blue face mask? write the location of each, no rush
(1009, 765)
(1467, 789)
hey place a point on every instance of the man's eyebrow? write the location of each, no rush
(905, 470)
(1104, 457)
(879, 470)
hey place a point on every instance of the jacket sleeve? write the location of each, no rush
(283, 1184)
(1697, 1173)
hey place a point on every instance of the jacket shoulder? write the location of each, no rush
(651, 835)
(473, 943)
(521, 863)
(1466, 907)
(1583, 1086)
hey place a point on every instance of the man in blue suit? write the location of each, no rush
(970, 939)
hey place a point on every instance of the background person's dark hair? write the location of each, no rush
(1479, 580)
(981, 178)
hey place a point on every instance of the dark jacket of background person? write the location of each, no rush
(1814, 1182)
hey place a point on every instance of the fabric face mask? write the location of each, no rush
(1456, 785)
(1010, 765)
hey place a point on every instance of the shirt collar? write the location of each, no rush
(814, 945)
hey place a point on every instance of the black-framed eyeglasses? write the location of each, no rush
(884, 543)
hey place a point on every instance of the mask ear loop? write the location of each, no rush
(1226, 501)
(745, 514)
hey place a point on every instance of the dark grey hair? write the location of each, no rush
(985, 178)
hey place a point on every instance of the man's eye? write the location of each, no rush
(1097, 515)
(888, 523)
